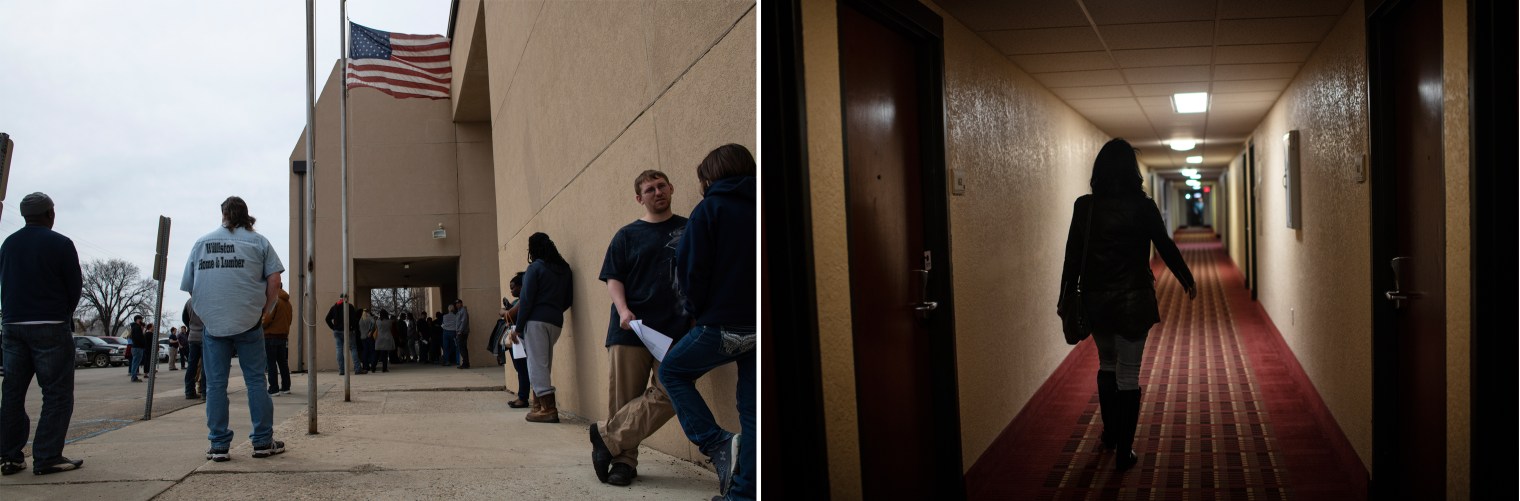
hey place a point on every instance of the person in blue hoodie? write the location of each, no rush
(715, 269)
(546, 293)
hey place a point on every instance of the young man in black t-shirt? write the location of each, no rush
(639, 271)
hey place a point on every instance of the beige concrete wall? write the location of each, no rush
(410, 167)
(1314, 280)
(1455, 130)
(583, 97)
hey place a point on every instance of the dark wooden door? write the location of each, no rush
(1252, 229)
(1408, 110)
(883, 101)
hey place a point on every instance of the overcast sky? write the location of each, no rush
(126, 111)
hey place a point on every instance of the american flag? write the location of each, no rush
(398, 64)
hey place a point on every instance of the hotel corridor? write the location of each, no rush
(1224, 411)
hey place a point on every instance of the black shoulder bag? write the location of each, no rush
(1073, 314)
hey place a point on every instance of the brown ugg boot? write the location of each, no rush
(545, 411)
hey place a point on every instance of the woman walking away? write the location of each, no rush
(1116, 225)
(546, 293)
(385, 341)
(715, 269)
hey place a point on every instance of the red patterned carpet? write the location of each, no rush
(1226, 412)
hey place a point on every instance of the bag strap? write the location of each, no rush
(1086, 239)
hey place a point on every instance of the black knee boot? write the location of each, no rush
(1129, 417)
(1107, 407)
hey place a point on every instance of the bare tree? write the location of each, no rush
(114, 290)
(396, 301)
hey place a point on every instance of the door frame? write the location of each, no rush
(923, 27)
(788, 281)
(1491, 57)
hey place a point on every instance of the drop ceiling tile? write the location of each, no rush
(1155, 101)
(1158, 35)
(1092, 92)
(1275, 30)
(1268, 53)
(1227, 86)
(981, 15)
(1105, 103)
(1238, 97)
(1255, 71)
(1167, 89)
(1238, 9)
(1080, 78)
(1181, 56)
(1070, 61)
(1258, 108)
(1043, 41)
(1167, 74)
(1130, 11)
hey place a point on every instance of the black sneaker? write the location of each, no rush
(218, 455)
(264, 451)
(601, 456)
(12, 466)
(621, 474)
(192, 396)
(56, 465)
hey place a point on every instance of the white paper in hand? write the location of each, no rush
(657, 342)
(517, 348)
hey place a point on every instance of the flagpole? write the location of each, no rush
(308, 299)
(343, 160)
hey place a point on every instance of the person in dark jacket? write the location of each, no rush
(547, 292)
(715, 271)
(40, 285)
(1118, 289)
(335, 322)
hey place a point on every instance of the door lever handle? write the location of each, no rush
(924, 305)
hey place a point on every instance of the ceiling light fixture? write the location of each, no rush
(1195, 159)
(1182, 144)
(1190, 102)
(1189, 172)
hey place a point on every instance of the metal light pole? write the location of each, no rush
(348, 372)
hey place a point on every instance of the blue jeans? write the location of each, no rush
(194, 377)
(353, 350)
(703, 349)
(45, 351)
(450, 352)
(137, 361)
(218, 361)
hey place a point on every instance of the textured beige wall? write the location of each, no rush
(831, 259)
(1026, 157)
(410, 167)
(584, 96)
(1455, 128)
(1314, 280)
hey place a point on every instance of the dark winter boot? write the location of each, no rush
(1107, 407)
(1129, 419)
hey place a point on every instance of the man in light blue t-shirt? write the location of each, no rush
(233, 277)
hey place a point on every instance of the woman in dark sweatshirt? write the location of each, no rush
(546, 294)
(715, 268)
(1118, 289)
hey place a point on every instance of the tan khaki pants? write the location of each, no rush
(636, 402)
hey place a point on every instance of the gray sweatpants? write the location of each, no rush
(538, 342)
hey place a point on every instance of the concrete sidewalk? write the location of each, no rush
(417, 432)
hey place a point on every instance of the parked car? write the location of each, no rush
(80, 356)
(101, 353)
(163, 351)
